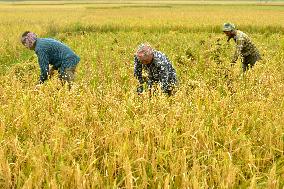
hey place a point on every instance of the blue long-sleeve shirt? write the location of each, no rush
(52, 52)
(160, 70)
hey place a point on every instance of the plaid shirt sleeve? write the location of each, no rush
(44, 66)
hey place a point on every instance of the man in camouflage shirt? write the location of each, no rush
(158, 67)
(244, 46)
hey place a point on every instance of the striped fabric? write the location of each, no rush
(52, 52)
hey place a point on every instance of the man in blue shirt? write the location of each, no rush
(158, 67)
(52, 52)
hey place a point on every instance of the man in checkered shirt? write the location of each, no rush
(158, 67)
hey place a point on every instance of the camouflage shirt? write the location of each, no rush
(160, 70)
(244, 46)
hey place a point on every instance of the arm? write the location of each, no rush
(164, 78)
(239, 47)
(164, 67)
(150, 83)
(44, 66)
(138, 74)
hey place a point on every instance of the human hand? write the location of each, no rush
(139, 89)
(150, 93)
(51, 72)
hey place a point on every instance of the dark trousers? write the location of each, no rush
(68, 75)
(249, 61)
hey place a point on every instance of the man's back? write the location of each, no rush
(55, 52)
(244, 44)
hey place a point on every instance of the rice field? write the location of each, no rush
(222, 129)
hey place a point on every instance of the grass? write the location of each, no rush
(221, 130)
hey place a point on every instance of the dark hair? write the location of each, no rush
(25, 33)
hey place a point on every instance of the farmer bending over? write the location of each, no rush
(52, 52)
(158, 67)
(244, 46)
